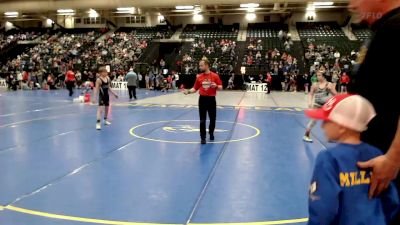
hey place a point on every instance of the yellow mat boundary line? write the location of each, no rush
(75, 218)
(272, 222)
(114, 222)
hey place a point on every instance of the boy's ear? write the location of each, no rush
(342, 130)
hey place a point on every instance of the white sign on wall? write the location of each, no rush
(119, 85)
(3, 83)
(256, 87)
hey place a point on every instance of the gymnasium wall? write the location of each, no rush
(152, 19)
(296, 17)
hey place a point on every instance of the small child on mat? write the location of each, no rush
(339, 189)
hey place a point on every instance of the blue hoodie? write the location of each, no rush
(339, 189)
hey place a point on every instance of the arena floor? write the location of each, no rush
(148, 166)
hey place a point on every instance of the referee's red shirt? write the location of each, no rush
(70, 76)
(203, 83)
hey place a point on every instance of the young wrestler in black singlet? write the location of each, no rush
(103, 88)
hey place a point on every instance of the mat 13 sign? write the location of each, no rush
(256, 87)
(3, 83)
(119, 85)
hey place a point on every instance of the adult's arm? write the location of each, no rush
(218, 83)
(385, 168)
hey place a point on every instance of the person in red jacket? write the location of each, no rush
(344, 81)
(207, 83)
(268, 79)
(70, 81)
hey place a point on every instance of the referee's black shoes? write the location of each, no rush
(212, 137)
(203, 141)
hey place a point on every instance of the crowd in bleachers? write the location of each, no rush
(280, 65)
(119, 50)
(14, 36)
(222, 54)
(53, 57)
(328, 59)
(267, 50)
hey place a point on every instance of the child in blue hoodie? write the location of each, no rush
(339, 189)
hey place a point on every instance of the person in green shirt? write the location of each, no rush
(314, 79)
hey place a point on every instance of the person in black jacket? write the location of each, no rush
(371, 81)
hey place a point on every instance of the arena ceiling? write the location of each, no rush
(29, 8)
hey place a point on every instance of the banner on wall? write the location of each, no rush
(119, 85)
(256, 87)
(3, 83)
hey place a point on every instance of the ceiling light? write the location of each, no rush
(249, 5)
(184, 7)
(250, 16)
(125, 8)
(310, 8)
(251, 10)
(322, 3)
(130, 10)
(11, 13)
(197, 17)
(65, 11)
(92, 13)
(313, 14)
(197, 9)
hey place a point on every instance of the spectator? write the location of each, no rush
(132, 79)
(70, 81)
(78, 77)
(268, 80)
(307, 83)
(147, 80)
(231, 83)
(344, 81)
(162, 64)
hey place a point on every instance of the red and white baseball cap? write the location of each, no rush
(351, 111)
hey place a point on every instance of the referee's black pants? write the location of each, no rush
(70, 87)
(207, 104)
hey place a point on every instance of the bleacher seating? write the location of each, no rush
(263, 38)
(62, 48)
(322, 29)
(222, 54)
(14, 35)
(361, 32)
(158, 32)
(265, 30)
(212, 31)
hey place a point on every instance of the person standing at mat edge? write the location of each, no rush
(70, 81)
(207, 83)
(103, 86)
(132, 79)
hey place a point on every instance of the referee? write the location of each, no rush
(207, 84)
